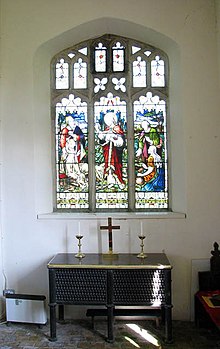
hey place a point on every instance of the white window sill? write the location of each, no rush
(119, 215)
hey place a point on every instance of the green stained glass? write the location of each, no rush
(150, 152)
(110, 151)
(112, 200)
(72, 153)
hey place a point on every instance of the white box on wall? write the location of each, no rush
(26, 308)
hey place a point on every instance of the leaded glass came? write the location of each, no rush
(109, 109)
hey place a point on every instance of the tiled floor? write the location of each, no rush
(128, 334)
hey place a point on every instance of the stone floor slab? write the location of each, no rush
(80, 335)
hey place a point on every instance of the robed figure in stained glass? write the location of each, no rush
(72, 147)
(150, 173)
(113, 142)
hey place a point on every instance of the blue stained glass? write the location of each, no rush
(150, 151)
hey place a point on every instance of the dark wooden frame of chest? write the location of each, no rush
(122, 283)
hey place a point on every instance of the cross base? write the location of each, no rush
(110, 255)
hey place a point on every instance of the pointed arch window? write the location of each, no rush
(109, 110)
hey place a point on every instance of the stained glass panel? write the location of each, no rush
(150, 138)
(139, 73)
(84, 51)
(111, 152)
(80, 74)
(71, 55)
(119, 84)
(62, 74)
(118, 57)
(100, 58)
(72, 153)
(157, 72)
(135, 49)
(147, 53)
(100, 84)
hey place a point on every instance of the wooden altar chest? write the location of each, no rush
(95, 280)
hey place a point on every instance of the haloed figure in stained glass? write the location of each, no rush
(72, 144)
(112, 141)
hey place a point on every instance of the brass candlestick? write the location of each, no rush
(79, 254)
(142, 254)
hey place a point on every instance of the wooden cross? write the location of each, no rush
(109, 227)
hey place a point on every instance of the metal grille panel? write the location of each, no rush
(81, 286)
(138, 287)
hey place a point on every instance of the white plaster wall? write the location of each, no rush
(217, 4)
(32, 32)
(1, 233)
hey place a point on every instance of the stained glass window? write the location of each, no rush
(62, 74)
(71, 153)
(118, 57)
(80, 74)
(100, 58)
(139, 73)
(150, 135)
(110, 152)
(157, 72)
(110, 122)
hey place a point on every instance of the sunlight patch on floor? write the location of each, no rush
(145, 335)
(132, 342)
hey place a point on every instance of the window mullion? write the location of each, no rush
(130, 135)
(130, 149)
(91, 139)
(91, 156)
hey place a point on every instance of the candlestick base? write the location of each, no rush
(142, 255)
(80, 255)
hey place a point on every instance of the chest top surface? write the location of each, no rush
(99, 261)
